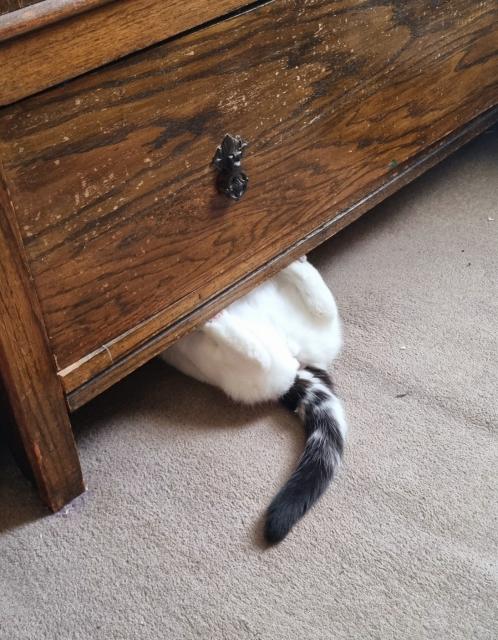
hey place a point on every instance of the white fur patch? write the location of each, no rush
(254, 348)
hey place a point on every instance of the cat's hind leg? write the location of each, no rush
(232, 333)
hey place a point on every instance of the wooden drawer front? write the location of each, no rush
(6, 6)
(111, 179)
(86, 34)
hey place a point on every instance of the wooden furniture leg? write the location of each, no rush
(29, 377)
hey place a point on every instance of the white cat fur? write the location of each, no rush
(253, 349)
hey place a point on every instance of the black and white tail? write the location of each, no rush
(312, 398)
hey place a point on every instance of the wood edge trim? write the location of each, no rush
(42, 14)
(399, 178)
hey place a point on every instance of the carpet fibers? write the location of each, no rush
(166, 543)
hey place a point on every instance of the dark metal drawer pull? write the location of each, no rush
(231, 180)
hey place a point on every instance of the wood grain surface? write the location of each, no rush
(111, 173)
(99, 32)
(30, 382)
(32, 15)
(399, 178)
(7, 6)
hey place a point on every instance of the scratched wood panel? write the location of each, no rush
(7, 6)
(55, 40)
(28, 380)
(111, 175)
(22, 17)
(156, 343)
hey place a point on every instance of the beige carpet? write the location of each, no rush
(166, 542)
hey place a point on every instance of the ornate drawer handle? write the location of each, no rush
(231, 181)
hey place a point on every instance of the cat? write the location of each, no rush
(277, 343)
